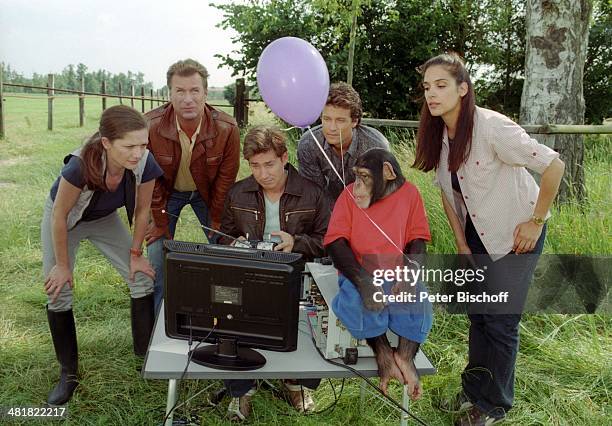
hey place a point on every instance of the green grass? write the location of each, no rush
(563, 377)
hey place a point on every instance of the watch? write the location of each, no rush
(538, 220)
(136, 252)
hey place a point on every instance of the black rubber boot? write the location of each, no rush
(63, 333)
(143, 319)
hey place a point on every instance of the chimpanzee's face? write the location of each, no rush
(362, 189)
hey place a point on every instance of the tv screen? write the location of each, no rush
(253, 295)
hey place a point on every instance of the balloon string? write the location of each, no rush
(290, 128)
(350, 193)
(325, 155)
(342, 158)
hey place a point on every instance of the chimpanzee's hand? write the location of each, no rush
(404, 287)
(367, 291)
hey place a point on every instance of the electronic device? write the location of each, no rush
(331, 337)
(237, 298)
(259, 245)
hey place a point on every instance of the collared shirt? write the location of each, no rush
(496, 189)
(184, 181)
(314, 166)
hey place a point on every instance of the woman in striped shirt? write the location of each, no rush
(496, 210)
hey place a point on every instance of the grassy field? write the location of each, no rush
(563, 374)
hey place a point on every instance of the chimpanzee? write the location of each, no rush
(379, 222)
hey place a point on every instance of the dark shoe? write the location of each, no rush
(143, 319)
(476, 417)
(240, 408)
(457, 404)
(63, 333)
(298, 396)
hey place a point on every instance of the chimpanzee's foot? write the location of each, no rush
(387, 368)
(410, 375)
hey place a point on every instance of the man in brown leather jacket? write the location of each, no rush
(275, 202)
(198, 148)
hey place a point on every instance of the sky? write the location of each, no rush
(44, 36)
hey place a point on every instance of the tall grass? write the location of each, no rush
(563, 376)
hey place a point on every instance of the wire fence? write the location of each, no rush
(240, 107)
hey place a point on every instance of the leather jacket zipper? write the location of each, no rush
(297, 211)
(255, 212)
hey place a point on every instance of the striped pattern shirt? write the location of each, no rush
(496, 189)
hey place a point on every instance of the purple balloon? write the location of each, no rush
(293, 80)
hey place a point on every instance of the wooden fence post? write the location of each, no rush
(132, 95)
(50, 93)
(1, 102)
(103, 91)
(239, 102)
(143, 100)
(120, 94)
(246, 105)
(82, 103)
(151, 98)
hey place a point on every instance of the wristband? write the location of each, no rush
(136, 252)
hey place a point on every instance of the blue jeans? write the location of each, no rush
(488, 379)
(176, 201)
(412, 320)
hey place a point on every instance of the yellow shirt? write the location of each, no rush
(184, 180)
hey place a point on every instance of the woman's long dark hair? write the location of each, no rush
(115, 122)
(429, 135)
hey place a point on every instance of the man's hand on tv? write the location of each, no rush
(240, 238)
(286, 243)
(155, 232)
(213, 237)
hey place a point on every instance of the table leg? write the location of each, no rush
(170, 401)
(362, 389)
(406, 405)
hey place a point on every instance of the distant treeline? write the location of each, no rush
(70, 78)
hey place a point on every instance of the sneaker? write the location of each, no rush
(298, 396)
(239, 408)
(457, 404)
(476, 417)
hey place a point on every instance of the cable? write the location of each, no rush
(342, 158)
(332, 406)
(367, 380)
(190, 352)
(206, 228)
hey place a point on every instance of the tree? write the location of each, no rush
(597, 76)
(393, 37)
(557, 40)
(327, 26)
(229, 93)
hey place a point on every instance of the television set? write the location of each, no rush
(251, 295)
